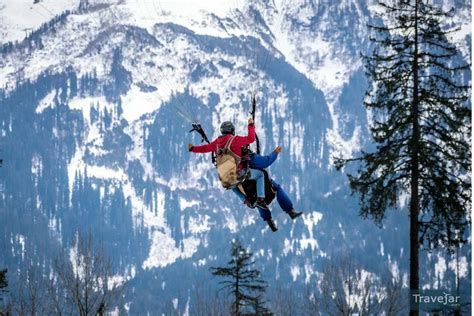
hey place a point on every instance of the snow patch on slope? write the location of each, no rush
(163, 250)
(310, 221)
(137, 103)
(20, 17)
(46, 102)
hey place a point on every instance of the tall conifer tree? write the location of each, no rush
(418, 99)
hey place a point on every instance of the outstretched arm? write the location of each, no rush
(201, 149)
(262, 162)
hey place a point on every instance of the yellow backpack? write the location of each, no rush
(227, 164)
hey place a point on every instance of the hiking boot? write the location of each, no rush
(248, 204)
(261, 204)
(272, 225)
(294, 214)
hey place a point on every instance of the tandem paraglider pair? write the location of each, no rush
(243, 171)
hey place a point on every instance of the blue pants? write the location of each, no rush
(282, 198)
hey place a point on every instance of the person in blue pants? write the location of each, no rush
(262, 162)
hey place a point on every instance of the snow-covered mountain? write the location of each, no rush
(95, 110)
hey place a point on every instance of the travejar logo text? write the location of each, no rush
(444, 299)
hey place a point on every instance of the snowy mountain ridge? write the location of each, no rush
(331, 72)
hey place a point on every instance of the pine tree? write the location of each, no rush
(244, 284)
(421, 128)
(258, 305)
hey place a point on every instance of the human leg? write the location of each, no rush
(259, 178)
(239, 194)
(265, 214)
(284, 201)
(282, 198)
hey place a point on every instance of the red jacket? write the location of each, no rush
(219, 142)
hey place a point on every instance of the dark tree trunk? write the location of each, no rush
(415, 174)
(237, 297)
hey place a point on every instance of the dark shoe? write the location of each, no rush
(248, 204)
(293, 214)
(272, 225)
(261, 204)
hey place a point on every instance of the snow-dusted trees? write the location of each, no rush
(79, 283)
(421, 128)
(348, 289)
(84, 279)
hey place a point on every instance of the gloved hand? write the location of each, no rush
(250, 121)
(190, 147)
(278, 149)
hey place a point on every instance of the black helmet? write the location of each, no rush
(227, 128)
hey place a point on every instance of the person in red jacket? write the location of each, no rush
(227, 131)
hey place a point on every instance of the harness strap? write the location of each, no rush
(229, 142)
(241, 189)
